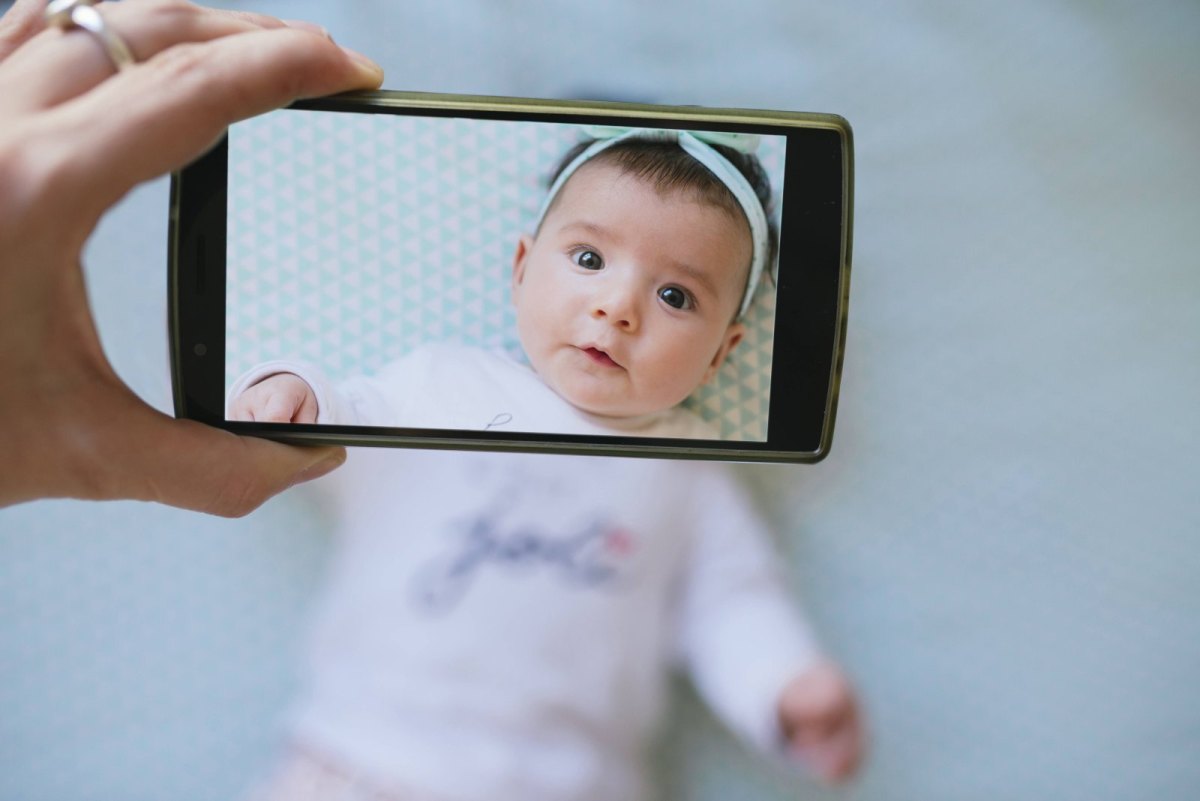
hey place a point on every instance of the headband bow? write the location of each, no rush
(699, 145)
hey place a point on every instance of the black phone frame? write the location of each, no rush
(811, 301)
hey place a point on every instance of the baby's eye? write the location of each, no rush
(675, 297)
(588, 259)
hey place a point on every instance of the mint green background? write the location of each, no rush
(1003, 546)
(353, 238)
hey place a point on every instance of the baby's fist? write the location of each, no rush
(279, 398)
(819, 714)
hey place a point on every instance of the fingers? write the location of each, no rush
(854, 749)
(251, 405)
(279, 409)
(307, 413)
(836, 758)
(92, 136)
(56, 65)
(278, 398)
(20, 24)
(286, 408)
(168, 110)
(820, 717)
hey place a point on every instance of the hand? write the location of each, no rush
(819, 715)
(76, 136)
(279, 398)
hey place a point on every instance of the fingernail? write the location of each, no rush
(321, 468)
(305, 25)
(364, 62)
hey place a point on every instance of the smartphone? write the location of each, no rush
(413, 260)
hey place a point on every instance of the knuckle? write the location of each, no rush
(39, 172)
(190, 68)
(211, 88)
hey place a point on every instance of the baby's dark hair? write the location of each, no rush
(669, 168)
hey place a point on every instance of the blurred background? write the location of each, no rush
(1003, 547)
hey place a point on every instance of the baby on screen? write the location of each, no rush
(501, 626)
(629, 296)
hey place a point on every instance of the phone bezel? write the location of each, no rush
(811, 303)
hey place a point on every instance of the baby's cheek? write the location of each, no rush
(685, 371)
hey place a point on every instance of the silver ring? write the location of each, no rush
(67, 14)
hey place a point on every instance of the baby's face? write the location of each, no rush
(625, 298)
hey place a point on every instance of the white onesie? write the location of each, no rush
(500, 626)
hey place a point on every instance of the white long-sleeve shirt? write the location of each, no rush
(500, 626)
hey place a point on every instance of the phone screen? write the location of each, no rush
(425, 276)
(361, 242)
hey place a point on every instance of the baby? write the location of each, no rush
(501, 626)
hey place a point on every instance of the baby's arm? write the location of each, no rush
(750, 653)
(294, 392)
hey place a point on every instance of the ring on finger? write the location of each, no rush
(67, 14)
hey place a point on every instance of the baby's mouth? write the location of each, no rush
(599, 357)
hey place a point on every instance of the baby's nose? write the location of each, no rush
(618, 307)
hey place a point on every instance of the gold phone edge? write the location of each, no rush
(445, 102)
(389, 98)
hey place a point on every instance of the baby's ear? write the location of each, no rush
(733, 335)
(524, 245)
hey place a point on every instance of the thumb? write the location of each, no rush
(194, 466)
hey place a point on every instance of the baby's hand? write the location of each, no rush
(279, 398)
(819, 714)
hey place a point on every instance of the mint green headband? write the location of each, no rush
(699, 145)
